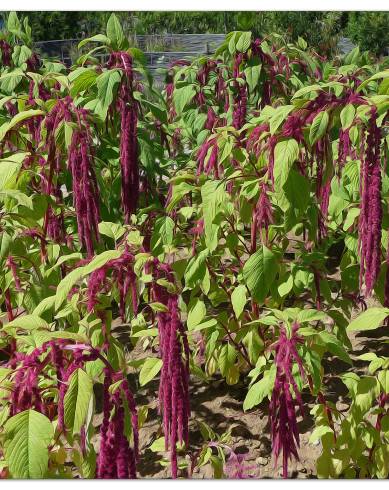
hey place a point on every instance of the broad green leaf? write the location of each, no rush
(285, 154)
(259, 273)
(252, 74)
(382, 74)
(319, 432)
(8, 172)
(286, 287)
(260, 390)
(27, 322)
(306, 90)
(21, 198)
(21, 116)
(98, 38)
(65, 286)
(347, 116)
(162, 234)
(383, 378)
(115, 34)
(370, 319)
(244, 42)
(107, 85)
(13, 23)
(111, 230)
(27, 437)
(310, 316)
(101, 259)
(204, 325)
(334, 346)
(179, 191)
(158, 445)
(195, 270)
(238, 298)
(77, 399)
(9, 81)
(367, 390)
(20, 55)
(296, 191)
(196, 314)
(149, 370)
(381, 458)
(279, 117)
(85, 78)
(214, 198)
(227, 358)
(183, 96)
(318, 127)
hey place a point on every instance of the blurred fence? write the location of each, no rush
(159, 50)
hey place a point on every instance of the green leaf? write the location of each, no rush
(101, 260)
(98, 38)
(182, 96)
(28, 435)
(9, 81)
(45, 305)
(162, 234)
(107, 85)
(244, 42)
(319, 432)
(21, 198)
(115, 34)
(196, 314)
(111, 230)
(382, 74)
(20, 55)
(279, 117)
(381, 459)
(259, 272)
(286, 287)
(347, 116)
(21, 116)
(310, 316)
(85, 78)
(369, 319)
(149, 370)
(306, 90)
(238, 298)
(260, 389)
(214, 198)
(296, 191)
(383, 378)
(77, 399)
(8, 172)
(27, 322)
(334, 346)
(212, 322)
(158, 445)
(13, 23)
(318, 127)
(252, 74)
(65, 286)
(285, 154)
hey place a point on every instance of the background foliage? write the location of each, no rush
(321, 29)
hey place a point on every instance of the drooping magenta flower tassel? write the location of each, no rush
(117, 458)
(282, 409)
(370, 219)
(174, 380)
(128, 110)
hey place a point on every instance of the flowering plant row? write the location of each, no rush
(233, 223)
